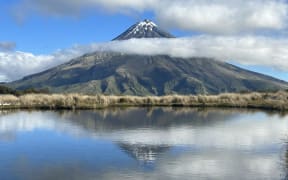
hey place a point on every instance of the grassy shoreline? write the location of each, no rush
(273, 101)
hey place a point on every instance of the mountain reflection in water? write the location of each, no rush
(119, 143)
(142, 152)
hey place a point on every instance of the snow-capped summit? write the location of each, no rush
(144, 29)
(146, 24)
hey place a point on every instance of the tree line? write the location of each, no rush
(7, 90)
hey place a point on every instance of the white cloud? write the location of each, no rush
(75, 7)
(212, 16)
(16, 65)
(248, 50)
(225, 16)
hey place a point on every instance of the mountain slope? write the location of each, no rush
(115, 73)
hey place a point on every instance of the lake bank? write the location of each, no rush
(273, 101)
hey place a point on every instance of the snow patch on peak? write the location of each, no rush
(147, 23)
(144, 29)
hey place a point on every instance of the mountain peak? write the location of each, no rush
(144, 29)
(146, 24)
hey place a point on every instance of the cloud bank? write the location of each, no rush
(248, 50)
(211, 16)
(16, 65)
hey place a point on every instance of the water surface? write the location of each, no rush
(142, 143)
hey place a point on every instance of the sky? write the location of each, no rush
(40, 34)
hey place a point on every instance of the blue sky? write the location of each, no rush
(41, 28)
(44, 34)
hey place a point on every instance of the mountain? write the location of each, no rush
(118, 73)
(144, 29)
(144, 152)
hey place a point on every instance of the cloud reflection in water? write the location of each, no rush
(182, 143)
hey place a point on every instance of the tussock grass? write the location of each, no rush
(275, 100)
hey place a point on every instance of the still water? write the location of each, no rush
(141, 143)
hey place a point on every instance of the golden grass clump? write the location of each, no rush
(277, 100)
(8, 100)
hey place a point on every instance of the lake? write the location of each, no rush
(144, 143)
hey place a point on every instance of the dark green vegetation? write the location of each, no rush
(7, 90)
(122, 74)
